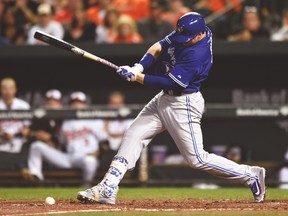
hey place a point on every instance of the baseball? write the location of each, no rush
(50, 201)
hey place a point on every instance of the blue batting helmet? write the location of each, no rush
(188, 26)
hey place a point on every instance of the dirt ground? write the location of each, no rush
(22, 207)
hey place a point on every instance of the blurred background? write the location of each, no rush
(246, 92)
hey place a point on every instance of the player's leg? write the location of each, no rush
(283, 174)
(183, 123)
(138, 135)
(89, 165)
(40, 151)
(283, 178)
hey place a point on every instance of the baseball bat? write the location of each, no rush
(49, 39)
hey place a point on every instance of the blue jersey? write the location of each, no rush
(187, 66)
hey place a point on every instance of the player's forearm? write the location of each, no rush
(140, 78)
(159, 82)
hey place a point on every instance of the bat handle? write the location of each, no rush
(110, 64)
(98, 59)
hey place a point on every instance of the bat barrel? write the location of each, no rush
(49, 39)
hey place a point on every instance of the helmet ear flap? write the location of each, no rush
(182, 31)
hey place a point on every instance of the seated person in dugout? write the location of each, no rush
(81, 140)
(45, 131)
(13, 133)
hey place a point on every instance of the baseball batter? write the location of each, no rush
(181, 62)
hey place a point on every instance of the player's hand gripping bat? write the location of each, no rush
(49, 39)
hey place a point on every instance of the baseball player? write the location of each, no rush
(81, 139)
(181, 62)
(115, 129)
(44, 131)
(283, 174)
(13, 133)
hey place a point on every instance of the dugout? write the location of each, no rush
(244, 75)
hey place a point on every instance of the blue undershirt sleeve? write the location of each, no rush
(160, 82)
(147, 60)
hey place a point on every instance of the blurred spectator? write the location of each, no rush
(203, 6)
(97, 11)
(13, 133)
(16, 17)
(154, 28)
(176, 10)
(215, 6)
(24, 12)
(230, 17)
(126, 31)
(11, 33)
(137, 9)
(81, 30)
(282, 33)
(81, 140)
(106, 33)
(1, 8)
(63, 12)
(116, 128)
(252, 28)
(45, 24)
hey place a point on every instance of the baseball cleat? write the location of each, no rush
(258, 187)
(101, 193)
(28, 176)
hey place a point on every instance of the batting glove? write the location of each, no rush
(126, 73)
(137, 68)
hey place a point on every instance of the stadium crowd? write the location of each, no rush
(137, 21)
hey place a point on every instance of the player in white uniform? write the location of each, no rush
(13, 133)
(81, 140)
(116, 128)
(283, 174)
(181, 63)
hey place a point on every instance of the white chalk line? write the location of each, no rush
(135, 210)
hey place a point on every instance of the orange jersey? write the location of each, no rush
(137, 9)
(63, 16)
(218, 5)
(93, 15)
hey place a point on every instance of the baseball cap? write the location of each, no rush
(79, 96)
(54, 94)
(44, 9)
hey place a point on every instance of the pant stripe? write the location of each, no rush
(215, 167)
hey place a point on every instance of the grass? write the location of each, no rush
(137, 193)
(67, 193)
